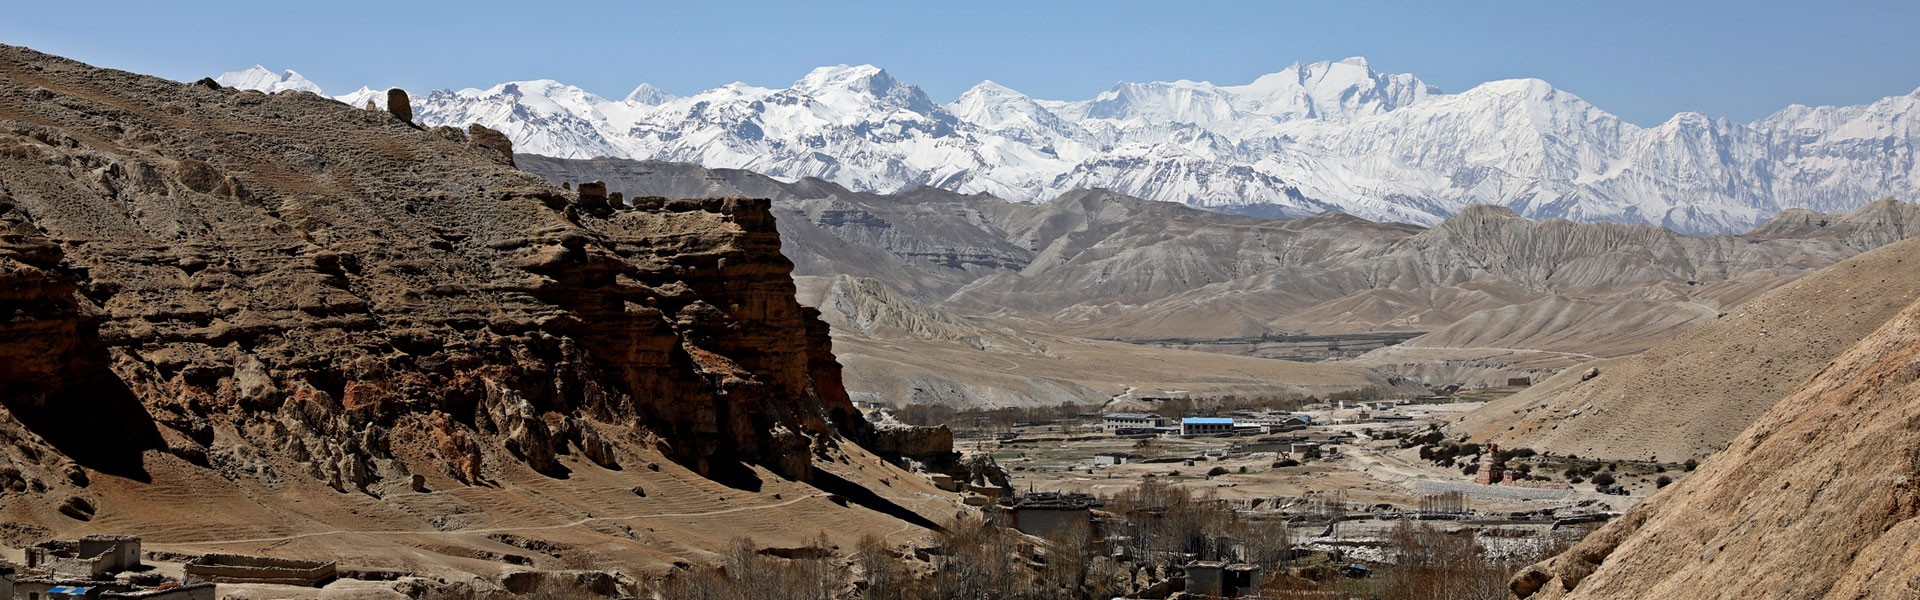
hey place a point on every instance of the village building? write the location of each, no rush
(6, 580)
(90, 557)
(1118, 421)
(1052, 514)
(1206, 425)
(93, 567)
(1212, 579)
(1108, 459)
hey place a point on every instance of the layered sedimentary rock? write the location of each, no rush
(48, 334)
(272, 283)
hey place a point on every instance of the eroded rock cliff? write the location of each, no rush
(280, 286)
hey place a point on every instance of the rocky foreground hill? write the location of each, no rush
(1689, 396)
(367, 340)
(1816, 499)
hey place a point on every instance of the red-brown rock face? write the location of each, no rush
(284, 279)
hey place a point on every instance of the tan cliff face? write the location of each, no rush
(1817, 499)
(282, 286)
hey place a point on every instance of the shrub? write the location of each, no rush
(1216, 471)
(1603, 479)
(1690, 464)
(1662, 482)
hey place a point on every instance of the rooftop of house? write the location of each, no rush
(1206, 421)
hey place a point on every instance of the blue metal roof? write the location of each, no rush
(1129, 416)
(1207, 421)
(68, 590)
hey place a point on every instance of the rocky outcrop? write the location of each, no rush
(48, 330)
(281, 286)
(900, 439)
(399, 106)
(492, 141)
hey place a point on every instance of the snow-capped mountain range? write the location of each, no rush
(1313, 137)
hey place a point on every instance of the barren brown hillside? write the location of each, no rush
(1500, 295)
(1687, 397)
(277, 324)
(1815, 500)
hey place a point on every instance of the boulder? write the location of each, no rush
(493, 142)
(399, 106)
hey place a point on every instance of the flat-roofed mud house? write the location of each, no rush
(1052, 515)
(90, 557)
(1209, 579)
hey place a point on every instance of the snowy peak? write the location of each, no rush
(1310, 138)
(1163, 102)
(994, 106)
(990, 91)
(1526, 88)
(260, 78)
(849, 88)
(867, 79)
(1328, 90)
(543, 96)
(648, 95)
(361, 97)
(1340, 90)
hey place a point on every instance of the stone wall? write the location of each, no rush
(233, 568)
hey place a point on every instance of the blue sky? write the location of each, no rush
(1641, 60)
